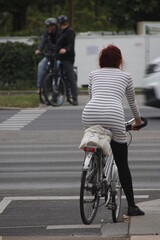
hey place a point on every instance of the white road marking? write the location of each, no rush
(146, 189)
(49, 145)
(76, 226)
(39, 152)
(138, 196)
(7, 129)
(7, 200)
(4, 203)
(21, 119)
(37, 198)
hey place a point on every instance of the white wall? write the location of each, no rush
(137, 50)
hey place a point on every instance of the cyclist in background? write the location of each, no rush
(49, 39)
(107, 87)
(65, 48)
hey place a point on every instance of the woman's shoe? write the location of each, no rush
(135, 211)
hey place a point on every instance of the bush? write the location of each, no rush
(18, 66)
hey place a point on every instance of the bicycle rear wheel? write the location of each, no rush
(54, 90)
(116, 197)
(89, 191)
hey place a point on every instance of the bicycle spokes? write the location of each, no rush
(89, 192)
(54, 90)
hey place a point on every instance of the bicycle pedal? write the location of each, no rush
(104, 190)
(103, 194)
(112, 206)
(126, 218)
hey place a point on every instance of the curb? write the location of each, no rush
(80, 92)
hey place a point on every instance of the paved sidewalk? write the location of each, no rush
(145, 227)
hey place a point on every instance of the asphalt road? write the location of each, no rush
(40, 169)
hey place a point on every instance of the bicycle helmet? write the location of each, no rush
(62, 19)
(50, 21)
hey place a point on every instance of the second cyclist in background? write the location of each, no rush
(65, 47)
(49, 39)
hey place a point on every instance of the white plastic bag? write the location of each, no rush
(97, 136)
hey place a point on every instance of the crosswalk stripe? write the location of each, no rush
(21, 119)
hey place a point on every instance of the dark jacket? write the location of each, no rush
(49, 40)
(66, 40)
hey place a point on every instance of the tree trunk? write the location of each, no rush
(71, 12)
(19, 21)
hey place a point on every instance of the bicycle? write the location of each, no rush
(100, 180)
(54, 87)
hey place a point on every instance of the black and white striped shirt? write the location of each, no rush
(107, 87)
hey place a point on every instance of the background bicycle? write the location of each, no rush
(54, 86)
(100, 181)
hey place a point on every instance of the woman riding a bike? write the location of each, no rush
(107, 87)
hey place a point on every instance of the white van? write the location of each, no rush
(151, 84)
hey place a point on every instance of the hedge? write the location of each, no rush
(18, 66)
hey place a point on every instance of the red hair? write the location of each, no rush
(110, 57)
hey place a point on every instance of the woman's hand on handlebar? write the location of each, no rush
(137, 122)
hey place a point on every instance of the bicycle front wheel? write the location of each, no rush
(41, 93)
(89, 191)
(54, 90)
(116, 197)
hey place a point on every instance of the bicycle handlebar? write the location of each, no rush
(129, 125)
(48, 54)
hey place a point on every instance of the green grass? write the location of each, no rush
(20, 101)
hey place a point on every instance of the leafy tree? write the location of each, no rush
(27, 17)
(18, 11)
(90, 15)
(124, 14)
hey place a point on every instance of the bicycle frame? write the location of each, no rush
(53, 65)
(111, 172)
(53, 85)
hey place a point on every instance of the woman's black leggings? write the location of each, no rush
(120, 153)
